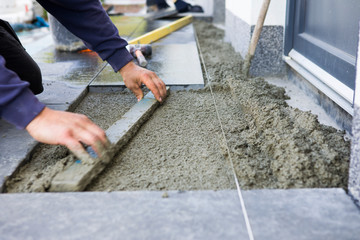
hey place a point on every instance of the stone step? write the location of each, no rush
(273, 214)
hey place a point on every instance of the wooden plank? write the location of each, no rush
(81, 172)
(162, 31)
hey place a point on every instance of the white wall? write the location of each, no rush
(248, 11)
(16, 11)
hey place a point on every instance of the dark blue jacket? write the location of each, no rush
(85, 19)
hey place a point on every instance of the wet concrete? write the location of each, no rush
(47, 159)
(181, 147)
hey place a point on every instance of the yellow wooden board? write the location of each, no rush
(162, 31)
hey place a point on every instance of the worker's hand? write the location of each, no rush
(69, 129)
(134, 76)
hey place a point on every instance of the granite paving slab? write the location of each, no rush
(175, 59)
(131, 27)
(302, 214)
(175, 64)
(122, 215)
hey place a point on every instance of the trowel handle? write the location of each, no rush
(141, 59)
(91, 152)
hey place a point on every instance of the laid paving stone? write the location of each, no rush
(177, 64)
(75, 69)
(131, 27)
(167, 61)
(61, 96)
(185, 35)
(117, 215)
(15, 147)
(302, 214)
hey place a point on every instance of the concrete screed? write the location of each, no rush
(180, 147)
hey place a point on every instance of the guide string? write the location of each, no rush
(247, 222)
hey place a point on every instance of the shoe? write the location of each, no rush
(183, 6)
(156, 5)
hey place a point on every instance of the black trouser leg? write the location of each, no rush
(161, 4)
(17, 59)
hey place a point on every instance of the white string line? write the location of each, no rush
(97, 74)
(247, 222)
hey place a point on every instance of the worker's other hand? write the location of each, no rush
(134, 76)
(68, 129)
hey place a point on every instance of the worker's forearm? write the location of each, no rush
(88, 20)
(18, 105)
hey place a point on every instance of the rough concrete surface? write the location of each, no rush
(48, 160)
(180, 147)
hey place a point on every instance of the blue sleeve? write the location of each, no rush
(88, 20)
(18, 105)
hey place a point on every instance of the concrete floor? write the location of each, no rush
(273, 214)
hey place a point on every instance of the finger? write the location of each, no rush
(97, 131)
(85, 124)
(91, 139)
(137, 91)
(76, 148)
(149, 82)
(162, 87)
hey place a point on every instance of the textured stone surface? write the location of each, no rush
(122, 215)
(302, 214)
(268, 55)
(79, 174)
(219, 11)
(354, 171)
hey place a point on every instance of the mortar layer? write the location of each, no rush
(47, 160)
(181, 146)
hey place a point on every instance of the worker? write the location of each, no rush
(180, 5)
(20, 77)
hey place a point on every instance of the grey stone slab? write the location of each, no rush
(15, 147)
(122, 215)
(76, 69)
(267, 60)
(302, 214)
(175, 59)
(131, 27)
(61, 95)
(80, 173)
(219, 11)
(185, 35)
(175, 64)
